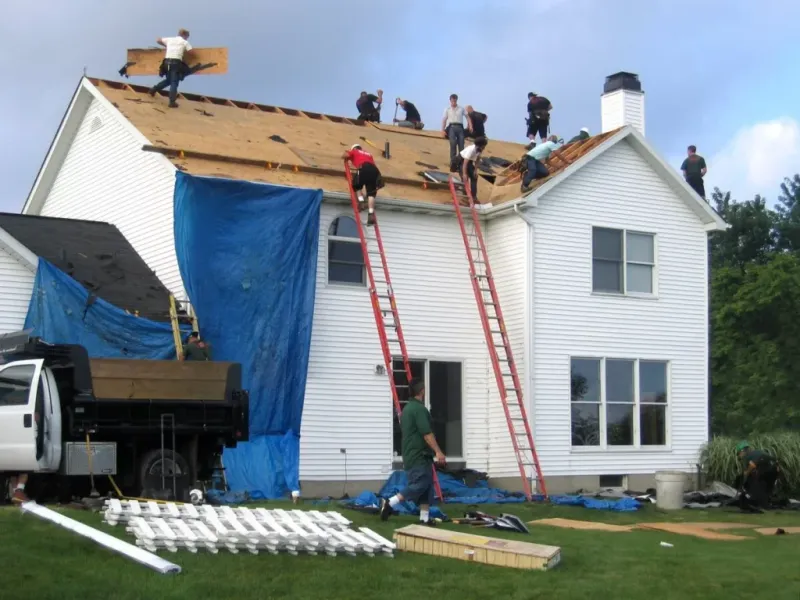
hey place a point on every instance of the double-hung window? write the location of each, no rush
(623, 262)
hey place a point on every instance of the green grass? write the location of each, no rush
(40, 560)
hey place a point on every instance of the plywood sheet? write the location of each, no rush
(688, 529)
(121, 379)
(147, 61)
(772, 530)
(477, 548)
(583, 525)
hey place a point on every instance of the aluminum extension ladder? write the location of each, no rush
(386, 315)
(499, 345)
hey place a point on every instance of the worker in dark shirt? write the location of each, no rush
(419, 452)
(369, 106)
(196, 349)
(759, 476)
(538, 119)
(412, 120)
(476, 122)
(694, 169)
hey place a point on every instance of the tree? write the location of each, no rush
(787, 209)
(756, 347)
(751, 237)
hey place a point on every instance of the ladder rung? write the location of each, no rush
(511, 389)
(485, 289)
(482, 276)
(489, 303)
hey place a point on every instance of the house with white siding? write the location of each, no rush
(601, 271)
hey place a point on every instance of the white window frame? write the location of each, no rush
(625, 292)
(345, 240)
(428, 360)
(637, 445)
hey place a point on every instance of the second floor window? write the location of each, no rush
(623, 262)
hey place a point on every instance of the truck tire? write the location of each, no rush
(150, 468)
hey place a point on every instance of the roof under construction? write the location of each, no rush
(219, 137)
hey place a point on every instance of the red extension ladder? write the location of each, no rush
(494, 329)
(385, 318)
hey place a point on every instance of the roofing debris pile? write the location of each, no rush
(172, 526)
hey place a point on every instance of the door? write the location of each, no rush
(48, 390)
(444, 398)
(21, 405)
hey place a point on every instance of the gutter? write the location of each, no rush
(431, 208)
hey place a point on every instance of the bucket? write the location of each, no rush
(669, 489)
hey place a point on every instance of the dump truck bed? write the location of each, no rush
(164, 380)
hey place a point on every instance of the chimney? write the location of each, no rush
(622, 102)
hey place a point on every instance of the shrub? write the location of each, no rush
(720, 462)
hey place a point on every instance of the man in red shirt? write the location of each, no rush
(367, 176)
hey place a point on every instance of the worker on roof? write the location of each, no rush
(760, 474)
(453, 129)
(538, 119)
(413, 119)
(694, 169)
(583, 135)
(476, 122)
(173, 68)
(420, 450)
(469, 164)
(196, 349)
(369, 106)
(535, 158)
(366, 175)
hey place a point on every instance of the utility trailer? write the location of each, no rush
(157, 427)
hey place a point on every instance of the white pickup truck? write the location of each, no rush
(154, 425)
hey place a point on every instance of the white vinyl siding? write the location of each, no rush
(16, 286)
(348, 405)
(618, 190)
(105, 176)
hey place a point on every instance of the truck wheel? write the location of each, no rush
(152, 465)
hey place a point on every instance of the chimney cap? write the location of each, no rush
(622, 81)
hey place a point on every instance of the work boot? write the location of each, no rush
(173, 105)
(386, 510)
(428, 523)
(371, 219)
(18, 497)
(152, 92)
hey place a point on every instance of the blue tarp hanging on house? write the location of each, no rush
(61, 312)
(248, 257)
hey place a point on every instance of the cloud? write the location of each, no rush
(756, 159)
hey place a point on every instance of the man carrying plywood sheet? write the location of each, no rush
(173, 69)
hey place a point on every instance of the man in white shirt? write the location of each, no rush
(453, 129)
(173, 69)
(469, 164)
(535, 158)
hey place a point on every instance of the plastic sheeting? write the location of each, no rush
(248, 257)
(621, 505)
(456, 491)
(61, 311)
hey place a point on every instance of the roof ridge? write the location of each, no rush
(245, 105)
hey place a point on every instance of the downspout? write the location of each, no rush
(529, 301)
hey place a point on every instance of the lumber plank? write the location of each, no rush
(147, 61)
(772, 530)
(477, 548)
(690, 529)
(583, 525)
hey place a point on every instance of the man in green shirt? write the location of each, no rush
(760, 473)
(694, 169)
(196, 349)
(419, 452)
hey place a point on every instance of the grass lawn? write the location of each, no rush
(42, 561)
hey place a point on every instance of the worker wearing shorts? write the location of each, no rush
(367, 176)
(420, 449)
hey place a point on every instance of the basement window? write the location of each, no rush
(612, 481)
(345, 259)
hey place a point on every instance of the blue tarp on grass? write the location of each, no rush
(248, 257)
(61, 311)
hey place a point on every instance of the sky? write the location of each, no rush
(720, 74)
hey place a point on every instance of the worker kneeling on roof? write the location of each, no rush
(173, 69)
(534, 161)
(413, 119)
(469, 164)
(760, 474)
(367, 176)
(582, 135)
